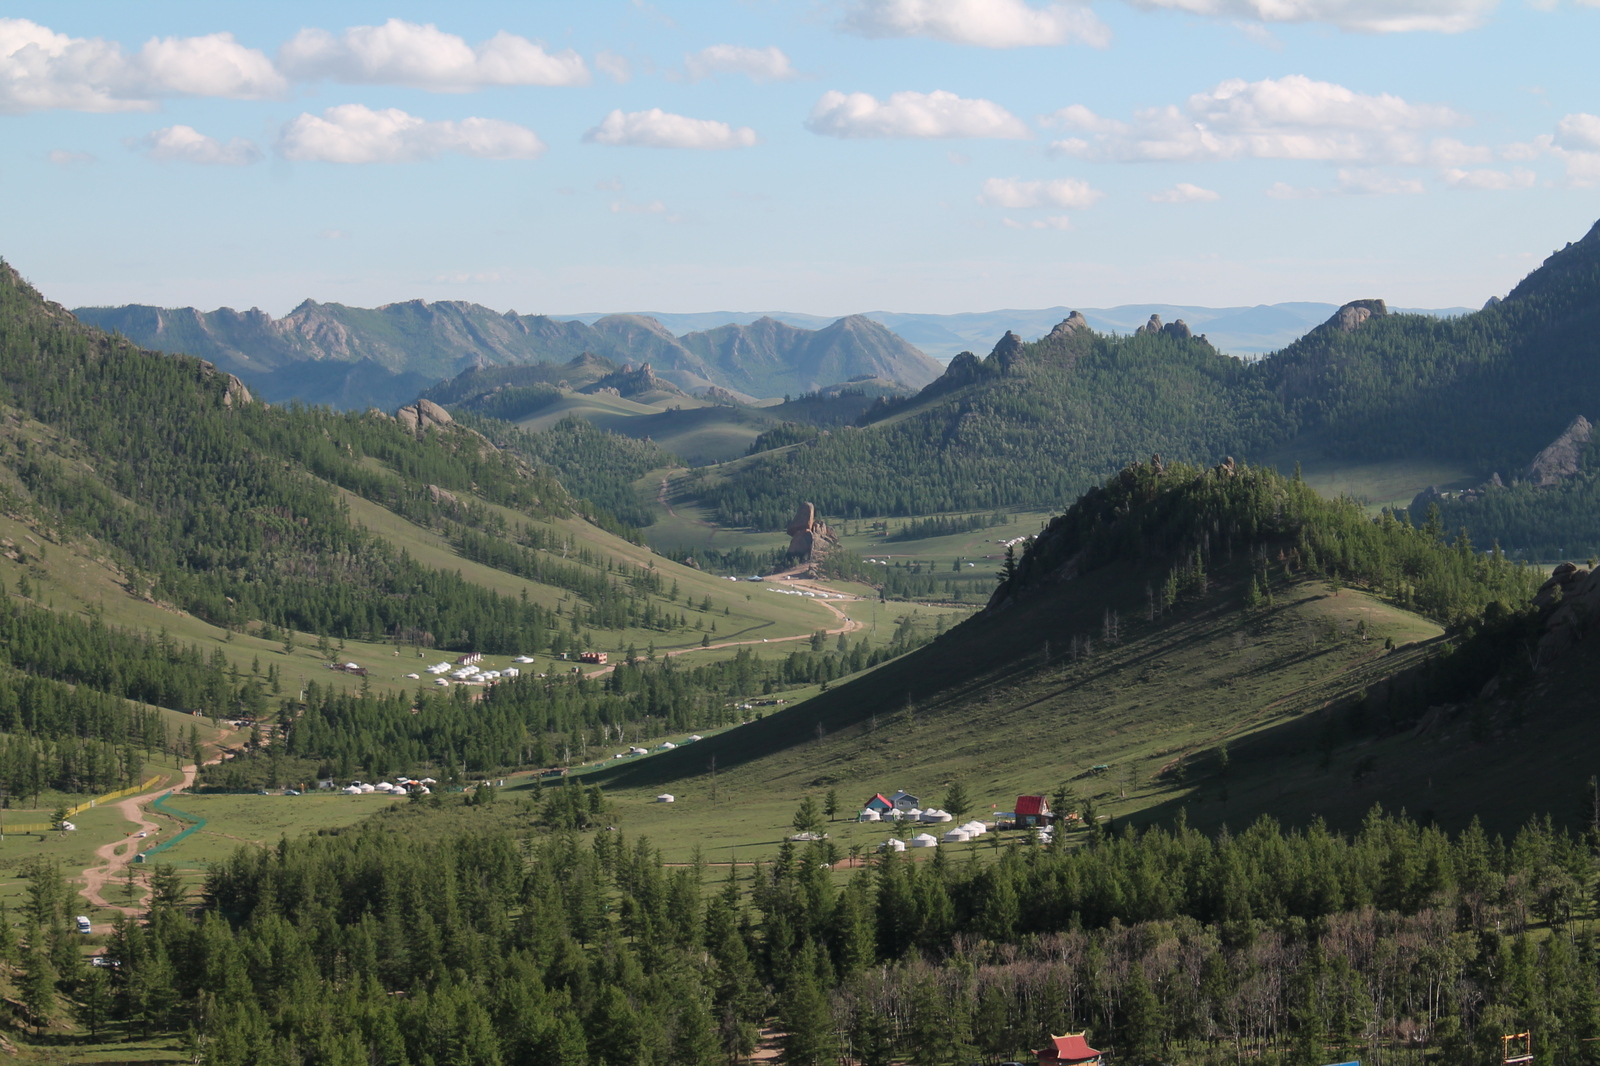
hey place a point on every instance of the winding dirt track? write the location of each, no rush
(114, 857)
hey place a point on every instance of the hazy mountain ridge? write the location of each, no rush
(356, 357)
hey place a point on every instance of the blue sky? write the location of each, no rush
(926, 156)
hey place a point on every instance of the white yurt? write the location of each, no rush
(977, 829)
(666, 746)
(933, 814)
(924, 840)
(352, 790)
(369, 788)
(912, 815)
(384, 786)
(956, 836)
(666, 797)
(893, 845)
(869, 815)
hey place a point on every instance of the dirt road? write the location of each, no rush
(114, 857)
(848, 625)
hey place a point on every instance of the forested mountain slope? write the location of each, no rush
(1034, 424)
(1173, 613)
(284, 527)
(357, 357)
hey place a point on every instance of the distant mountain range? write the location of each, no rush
(1243, 331)
(353, 357)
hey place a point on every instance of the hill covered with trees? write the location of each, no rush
(1034, 424)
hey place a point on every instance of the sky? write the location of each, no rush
(928, 156)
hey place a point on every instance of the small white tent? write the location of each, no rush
(956, 836)
(666, 797)
(893, 845)
(933, 814)
(869, 815)
(924, 840)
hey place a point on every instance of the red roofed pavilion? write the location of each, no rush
(1070, 1050)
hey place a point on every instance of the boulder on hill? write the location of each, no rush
(1560, 460)
(1178, 329)
(423, 416)
(1152, 326)
(1350, 317)
(721, 397)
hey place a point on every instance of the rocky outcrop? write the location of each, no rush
(809, 539)
(1354, 314)
(423, 416)
(442, 496)
(1566, 604)
(1073, 323)
(1152, 326)
(1007, 352)
(1178, 329)
(722, 397)
(1493, 301)
(1563, 457)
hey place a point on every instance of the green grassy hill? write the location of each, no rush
(1092, 666)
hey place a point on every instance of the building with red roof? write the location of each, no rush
(879, 803)
(1033, 811)
(1070, 1050)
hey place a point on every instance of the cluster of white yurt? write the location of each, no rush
(933, 814)
(975, 827)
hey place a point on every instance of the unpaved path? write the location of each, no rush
(847, 625)
(114, 857)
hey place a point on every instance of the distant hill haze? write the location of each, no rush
(357, 357)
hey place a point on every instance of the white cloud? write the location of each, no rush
(213, 65)
(185, 144)
(1362, 16)
(757, 64)
(614, 66)
(1518, 178)
(333, 235)
(354, 133)
(1184, 193)
(609, 185)
(1372, 182)
(424, 57)
(1056, 222)
(61, 157)
(661, 129)
(1057, 192)
(1286, 118)
(1282, 190)
(1580, 131)
(44, 70)
(985, 23)
(912, 114)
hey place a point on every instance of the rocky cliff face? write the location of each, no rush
(1562, 458)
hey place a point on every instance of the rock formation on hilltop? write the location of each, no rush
(1073, 323)
(1560, 460)
(809, 539)
(1178, 328)
(1350, 317)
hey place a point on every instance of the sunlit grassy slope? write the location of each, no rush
(1001, 706)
